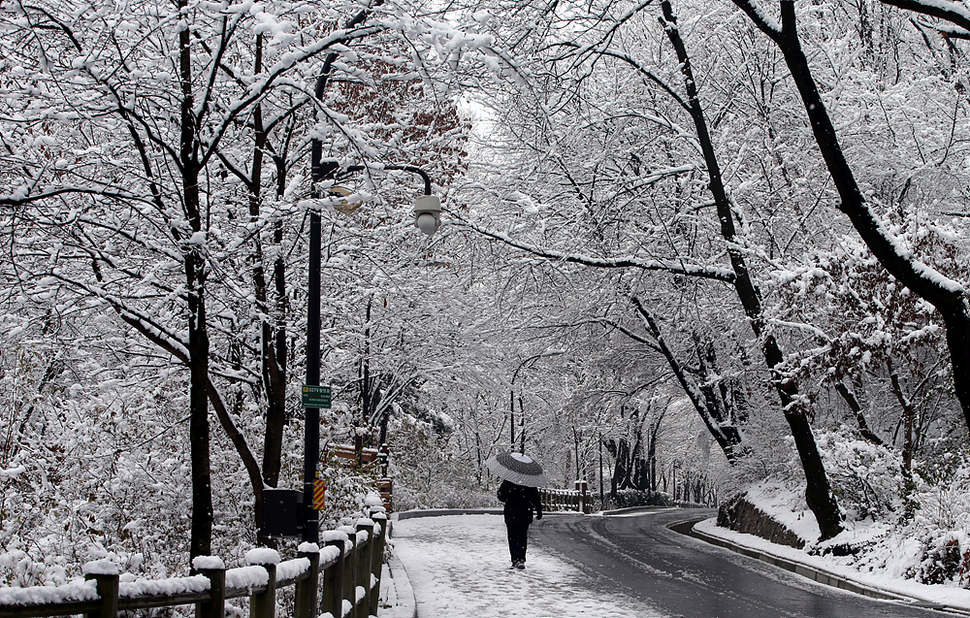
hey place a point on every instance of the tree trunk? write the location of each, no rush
(909, 418)
(853, 404)
(724, 433)
(195, 272)
(202, 514)
(274, 384)
(818, 492)
(947, 296)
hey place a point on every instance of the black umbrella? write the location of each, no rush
(517, 468)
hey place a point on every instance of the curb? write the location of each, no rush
(402, 587)
(443, 512)
(821, 576)
(397, 579)
(627, 510)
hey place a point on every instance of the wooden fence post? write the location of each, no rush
(306, 589)
(583, 488)
(377, 557)
(350, 573)
(106, 577)
(333, 578)
(363, 568)
(263, 604)
(215, 607)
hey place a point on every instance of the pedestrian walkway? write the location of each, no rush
(457, 566)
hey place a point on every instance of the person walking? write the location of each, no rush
(521, 478)
(520, 503)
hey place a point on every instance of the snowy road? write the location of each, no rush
(681, 576)
(606, 567)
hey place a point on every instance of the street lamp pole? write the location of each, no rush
(427, 218)
(319, 171)
(515, 374)
(311, 435)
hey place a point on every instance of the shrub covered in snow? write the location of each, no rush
(428, 473)
(913, 525)
(624, 498)
(867, 478)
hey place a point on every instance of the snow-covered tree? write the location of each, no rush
(135, 142)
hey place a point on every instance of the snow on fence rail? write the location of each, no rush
(566, 499)
(341, 579)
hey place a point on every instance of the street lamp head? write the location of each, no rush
(427, 214)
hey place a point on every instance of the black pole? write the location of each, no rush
(319, 171)
(311, 445)
(311, 435)
(602, 497)
(512, 415)
(576, 443)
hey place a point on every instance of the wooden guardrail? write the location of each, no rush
(342, 579)
(566, 499)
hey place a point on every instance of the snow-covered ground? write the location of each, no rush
(458, 567)
(476, 580)
(948, 596)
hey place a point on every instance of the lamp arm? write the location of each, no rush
(352, 169)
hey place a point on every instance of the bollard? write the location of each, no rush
(583, 488)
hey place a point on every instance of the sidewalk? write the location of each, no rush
(446, 552)
(458, 567)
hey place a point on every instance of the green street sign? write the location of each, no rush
(316, 396)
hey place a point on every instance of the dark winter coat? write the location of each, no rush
(520, 502)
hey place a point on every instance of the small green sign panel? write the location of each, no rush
(316, 396)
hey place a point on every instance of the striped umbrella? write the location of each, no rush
(517, 468)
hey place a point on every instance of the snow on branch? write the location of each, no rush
(609, 33)
(954, 12)
(766, 23)
(268, 80)
(670, 266)
(22, 195)
(145, 324)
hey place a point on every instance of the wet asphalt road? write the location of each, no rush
(683, 576)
